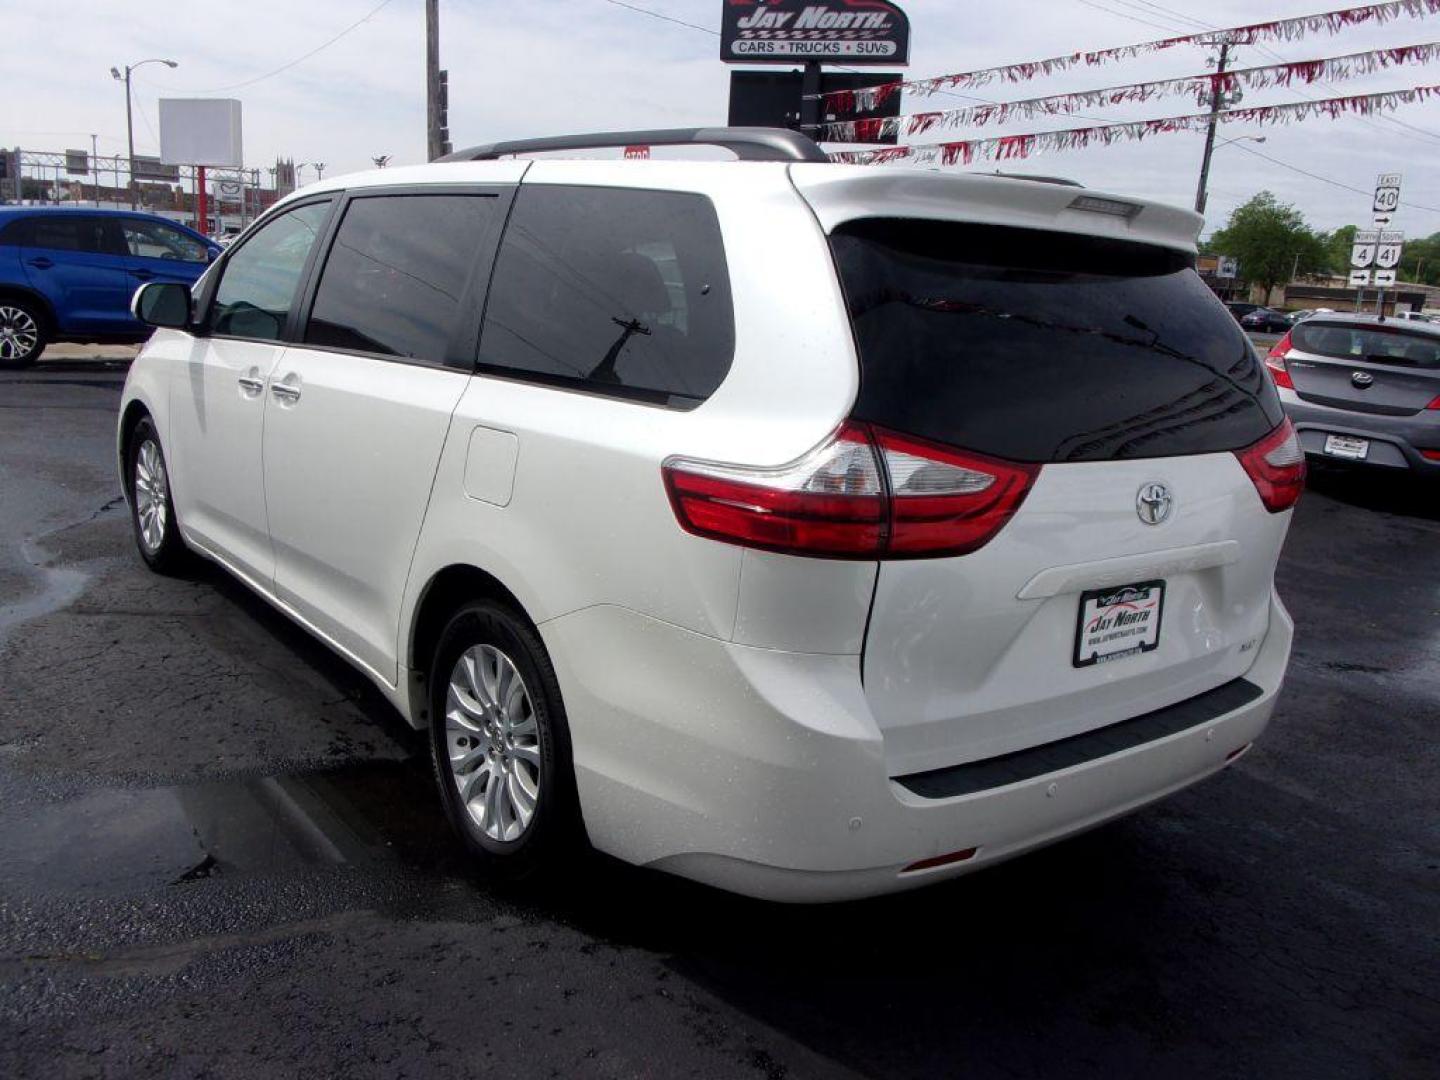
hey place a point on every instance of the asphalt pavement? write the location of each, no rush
(221, 855)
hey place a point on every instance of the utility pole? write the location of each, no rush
(435, 133)
(95, 165)
(1217, 98)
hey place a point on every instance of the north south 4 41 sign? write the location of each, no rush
(786, 31)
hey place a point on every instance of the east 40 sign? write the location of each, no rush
(786, 31)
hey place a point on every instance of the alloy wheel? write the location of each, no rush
(493, 742)
(152, 489)
(19, 333)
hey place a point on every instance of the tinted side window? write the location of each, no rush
(15, 233)
(151, 240)
(259, 280)
(625, 292)
(66, 233)
(397, 270)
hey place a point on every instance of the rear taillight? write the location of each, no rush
(864, 493)
(1275, 361)
(947, 502)
(1434, 404)
(1276, 465)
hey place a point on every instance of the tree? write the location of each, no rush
(1272, 241)
(1420, 261)
(1338, 245)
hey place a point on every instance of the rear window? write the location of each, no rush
(1374, 344)
(1040, 347)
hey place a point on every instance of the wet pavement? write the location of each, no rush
(221, 854)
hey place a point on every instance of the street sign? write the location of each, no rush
(1362, 249)
(1360, 277)
(77, 162)
(1387, 198)
(637, 152)
(786, 31)
(1384, 278)
(150, 168)
(230, 190)
(1387, 252)
(1228, 267)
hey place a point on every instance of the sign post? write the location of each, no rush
(811, 32)
(1385, 245)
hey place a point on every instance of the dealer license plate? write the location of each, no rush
(1347, 446)
(1119, 622)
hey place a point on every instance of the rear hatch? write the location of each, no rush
(1110, 364)
(1386, 368)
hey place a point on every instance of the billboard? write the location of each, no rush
(786, 31)
(200, 131)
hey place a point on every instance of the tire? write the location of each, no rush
(491, 762)
(23, 332)
(152, 507)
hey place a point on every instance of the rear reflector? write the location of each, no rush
(941, 860)
(1275, 363)
(1233, 754)
(1430, 455)
(1276, 465)
(864, 493)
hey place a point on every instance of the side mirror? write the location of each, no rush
(162, 303)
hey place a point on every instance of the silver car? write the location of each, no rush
(1363, 389)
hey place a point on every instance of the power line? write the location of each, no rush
(1125, 15)
(299, 59)
(1326, 179)
(665, 18)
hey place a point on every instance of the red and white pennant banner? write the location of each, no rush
(1007, 147)
(1328, 22)
(1201, 87)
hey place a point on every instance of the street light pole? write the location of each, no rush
(130, 138)
(129, 119)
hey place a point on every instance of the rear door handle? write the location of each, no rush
(42, 262)
(251, 385)
(285, 391)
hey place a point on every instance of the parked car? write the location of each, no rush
(1240, 309)
(1414, 316)
(1363, 389)
(1306, 313)
(1266, 321)
(809, 592)
(69, 274)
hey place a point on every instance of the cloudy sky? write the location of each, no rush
(556, 66)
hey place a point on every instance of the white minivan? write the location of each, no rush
(811, 530)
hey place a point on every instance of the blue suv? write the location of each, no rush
(68, 274)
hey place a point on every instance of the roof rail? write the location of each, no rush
(747, 143)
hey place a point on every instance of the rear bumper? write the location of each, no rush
(1396, 441)
(764, 773)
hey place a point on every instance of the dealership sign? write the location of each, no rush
(786, 31)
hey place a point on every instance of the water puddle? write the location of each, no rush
(128, 840)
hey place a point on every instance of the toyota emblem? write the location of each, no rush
(1153, 503)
